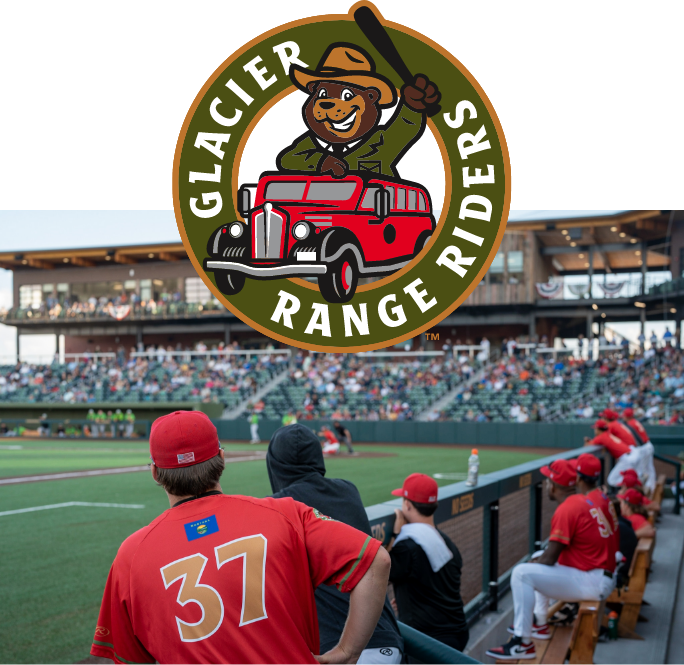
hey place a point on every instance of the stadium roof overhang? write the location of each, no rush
(608, 241)
(91, 257)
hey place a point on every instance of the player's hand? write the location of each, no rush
(399, 521)
(421, 93)
(337, 655)
(393, 603)
(587, 440)
(337, 168)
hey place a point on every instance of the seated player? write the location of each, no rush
(630, 480)
(632, 507)
(219, 578)
(578, 563)
(331, 446)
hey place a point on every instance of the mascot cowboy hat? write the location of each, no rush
(346, 63)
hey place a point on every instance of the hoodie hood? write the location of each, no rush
(294, 454)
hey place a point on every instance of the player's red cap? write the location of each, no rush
(633, 497)
(588, 465)
(419, 488)
(183, 438)
(628, 412)
(600, 424)
(609, 414)
(561, 471)
(630, 478)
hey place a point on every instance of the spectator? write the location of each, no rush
(578, 563)
(426, 566)
(296, 469)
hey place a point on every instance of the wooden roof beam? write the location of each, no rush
(81, 262)
(119, 257)
(39, 263)
(167, 256)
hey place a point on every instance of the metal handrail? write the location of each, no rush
(426, 649)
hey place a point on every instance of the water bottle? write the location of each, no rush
(473, 468)
(613, 626)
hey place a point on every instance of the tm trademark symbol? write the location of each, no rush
(433, 337)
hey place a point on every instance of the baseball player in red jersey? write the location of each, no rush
(231, 579)
(632, 506)
(635, 426)
(614, 445)
(618, 429)
(578, 563)
(331, 446)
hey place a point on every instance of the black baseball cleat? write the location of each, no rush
(514, 649)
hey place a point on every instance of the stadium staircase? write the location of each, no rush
(443, 402)
(234, 412)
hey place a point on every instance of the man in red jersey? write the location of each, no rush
(231, 579)
(618, 429)
(578, 563)
(614, 445)
(637, 428)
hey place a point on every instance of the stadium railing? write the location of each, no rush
(663, 464)
(425, 649)
(497, 524)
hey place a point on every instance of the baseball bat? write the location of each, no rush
(380, 39)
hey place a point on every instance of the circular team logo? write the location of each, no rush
(101, 631)
(341, 183)
(202, 529)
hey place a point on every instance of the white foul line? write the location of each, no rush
(72, 474)
(71, 503)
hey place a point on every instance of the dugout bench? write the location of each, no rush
(574, 643)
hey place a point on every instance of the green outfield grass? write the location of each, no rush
(54, 563)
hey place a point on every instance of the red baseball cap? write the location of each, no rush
(561, 471)
(600, 424)
(630, 478)
(609, 414)
(628, 412)
(588, 465)
(633, 497)
(183, 438)
(419, 488)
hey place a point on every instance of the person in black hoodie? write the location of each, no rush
(296, 469)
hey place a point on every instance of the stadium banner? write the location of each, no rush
(322, 244)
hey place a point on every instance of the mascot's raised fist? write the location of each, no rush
(420, 94)
(334, 166)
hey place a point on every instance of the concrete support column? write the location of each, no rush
(226, 334)
(533, 325)
(591, 271)
(18, 344)
(644, 268)
(643, 322)
(139, 340)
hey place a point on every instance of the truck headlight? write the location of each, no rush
(236, 229)
(301, 230)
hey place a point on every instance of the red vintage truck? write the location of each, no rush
(335, 229)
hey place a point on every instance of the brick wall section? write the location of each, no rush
(514, 528)
(466, 533)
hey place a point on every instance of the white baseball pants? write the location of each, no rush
(254, 430)
(534, 585)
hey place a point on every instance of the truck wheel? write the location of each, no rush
(339, 282)
(229, 283)
(423, 239)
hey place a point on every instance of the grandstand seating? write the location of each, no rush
(227, 380)
(352, 387)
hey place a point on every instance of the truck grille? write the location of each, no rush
(268, 233)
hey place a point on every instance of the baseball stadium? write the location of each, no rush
(568, 350)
